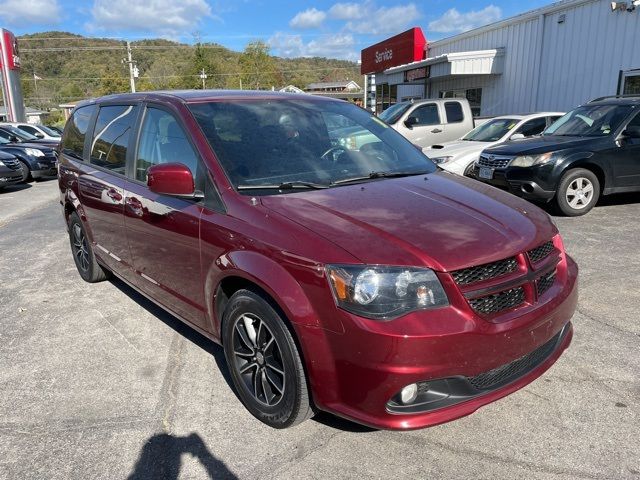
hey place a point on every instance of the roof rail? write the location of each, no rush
(607, 97)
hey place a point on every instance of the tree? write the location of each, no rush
(113, 80)
(258, 68)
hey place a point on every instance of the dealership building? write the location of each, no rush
(549, 59)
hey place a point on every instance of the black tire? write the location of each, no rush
(578, 192)
(468, 172)
(264, 361)
(26, 172)
(83, 256)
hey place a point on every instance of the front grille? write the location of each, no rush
(12, 163)
(538, 253)
(513, 370)
(497, 302)
(493, 161)
(544, 282)
(487, 271)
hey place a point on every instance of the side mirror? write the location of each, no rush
(38, 135)
(171, 179)
(410, 122)
(631, 132)
(14, 139)
(517, 136)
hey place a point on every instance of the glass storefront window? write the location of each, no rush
(386, 95)
(632, 85)
(473, 95)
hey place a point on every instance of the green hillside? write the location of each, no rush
(72, 67)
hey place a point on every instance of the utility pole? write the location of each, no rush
(203, 76)
(133, 70)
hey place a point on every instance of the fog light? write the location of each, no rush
(409, 393)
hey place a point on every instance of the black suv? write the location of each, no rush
(592, 150)
(36, 159)
(10, 171)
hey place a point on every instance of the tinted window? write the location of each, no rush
(75, 131)
(111, 137)
(533, 127)
(454, 112)
(491, 131)
(269, 142)
(392, 114)
(162, 140)
(590, 121)
(28, 129)
(426, 114)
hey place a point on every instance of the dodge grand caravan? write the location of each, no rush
(362, 281)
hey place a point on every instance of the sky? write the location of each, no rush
(292, 29)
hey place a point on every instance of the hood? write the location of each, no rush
(456, 148)
(543, 144)
(445, 221)
(40, 146)
(5, 155)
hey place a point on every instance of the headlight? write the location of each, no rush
(439, 160)
(382, 292)
(530, 160)
(2, 164)
(34, 152)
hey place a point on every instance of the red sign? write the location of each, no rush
(404, 48)
(11, 54)
(416, 74)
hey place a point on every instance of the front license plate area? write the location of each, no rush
(486, 172)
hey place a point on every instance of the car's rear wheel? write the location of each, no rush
(578, 192)
(83, 256)
(264, 361)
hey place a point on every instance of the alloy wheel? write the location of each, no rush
(258, 360)
(579, 193)
(80, 249)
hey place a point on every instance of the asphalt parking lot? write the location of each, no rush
(96, 382)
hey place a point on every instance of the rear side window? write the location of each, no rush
(111, 137)
(454, 112)
(533, 127)
(426, 114)
(29, 129)
(76, 130)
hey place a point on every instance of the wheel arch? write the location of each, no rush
(586, 161)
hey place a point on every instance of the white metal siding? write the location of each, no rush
(547, 65)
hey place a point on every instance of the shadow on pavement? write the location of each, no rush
(619, 199)
(161, 458)
(15, 188)
(217, 353)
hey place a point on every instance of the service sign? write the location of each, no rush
(11, 53)
(404, 48)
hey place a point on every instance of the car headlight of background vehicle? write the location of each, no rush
(531, 160)
(2, 163)
(439, 160)
(384, 292)
(34, 152)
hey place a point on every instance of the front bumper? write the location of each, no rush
(10, 178)
(361, 371)
(45, 167)
(527, 183)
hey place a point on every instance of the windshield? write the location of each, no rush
(271, 142)
(392, 114)
(491, 131)
(590, 121)
(49, 131)
(21, 134)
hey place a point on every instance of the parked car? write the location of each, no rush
(460, 155)
(36, 160)
(364, 283)
(428, 122)
(14, 134)
(591, 151)
(10, 171)
(41, 132)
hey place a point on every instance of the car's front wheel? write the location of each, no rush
(85, 260)
(578, 192)
(26, 172)
(264, 361)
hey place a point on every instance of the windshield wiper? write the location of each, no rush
(373, 175)
(297, 184)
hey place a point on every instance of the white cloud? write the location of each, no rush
(453, 21)
(167, 17)
(348, 11)
(386, 20)
(28, 12)
(332, 46)
(310, 18)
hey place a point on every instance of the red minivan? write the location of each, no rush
(354, 277)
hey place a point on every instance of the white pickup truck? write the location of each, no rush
(431, 121)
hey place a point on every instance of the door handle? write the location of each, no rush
(113, 194)
(436, 130)
(135, 206)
